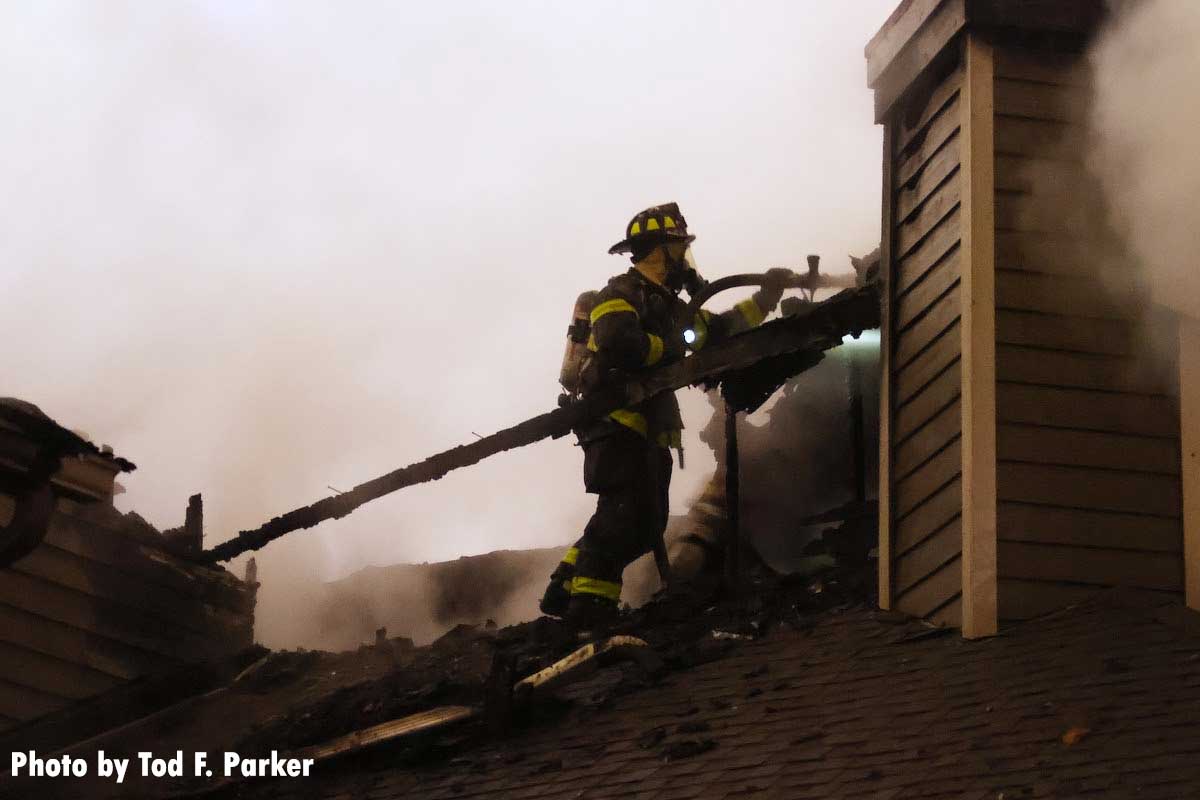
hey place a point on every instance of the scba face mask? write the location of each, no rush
(682, 274)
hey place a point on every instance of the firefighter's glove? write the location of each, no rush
(768, 296)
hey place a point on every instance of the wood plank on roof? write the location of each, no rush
(1032, 100)
(88, 476)
(932, 285)
(98, 543)
(1078, 17)
(1076, 334)
(79, 646)
(1038, 214)
(927, 440)
(897, 76)
(1188, 357)
(928, 365)
(978, 343)
(1089, 488)
(139, 597)
(928, 556)
(109, 519)
(1027, 599)
(1052, 253)
(1037, 176)
(937, 108)
(58, 603)
(887, 273)
(1083, 409)
(1042, 445)
(1023, 522)
(936, 320)
(949, 615)
(929, 216)
(1057, 294)
(1017, 364)
(943, 244)
(934, 592)
(936, 395)
(933, 141)
(53, 675)
(933, 173)
(1043, 66)
(927, 479)
(1037, 138)
(17, 451)
(1066, 564)
(933, 514)
(899, 29)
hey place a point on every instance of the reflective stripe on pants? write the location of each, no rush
(594, 586)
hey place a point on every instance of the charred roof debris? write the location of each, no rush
(476, 682)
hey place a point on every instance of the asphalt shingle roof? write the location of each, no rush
(860, 705)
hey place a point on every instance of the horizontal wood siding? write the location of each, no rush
(98, 604)
(1088, 472)
(78, 645)
(924, 335)
(1077, 527)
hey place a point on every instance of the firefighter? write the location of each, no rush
(637, 323)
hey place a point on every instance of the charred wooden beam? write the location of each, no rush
(815, 327)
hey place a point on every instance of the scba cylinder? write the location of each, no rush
(576, 354)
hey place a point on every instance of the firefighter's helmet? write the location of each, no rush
(652, 227)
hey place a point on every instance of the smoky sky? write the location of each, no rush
(265, 249)
(1143, 118)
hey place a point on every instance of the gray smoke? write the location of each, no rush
(264, 252)
(1144, 122)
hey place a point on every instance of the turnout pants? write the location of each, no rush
(631, 476)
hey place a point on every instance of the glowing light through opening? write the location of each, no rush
(867, 339)
(689, 336)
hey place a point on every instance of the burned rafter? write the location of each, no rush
(813, 329)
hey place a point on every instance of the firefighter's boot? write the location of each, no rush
(557, 597)
(558, 591)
